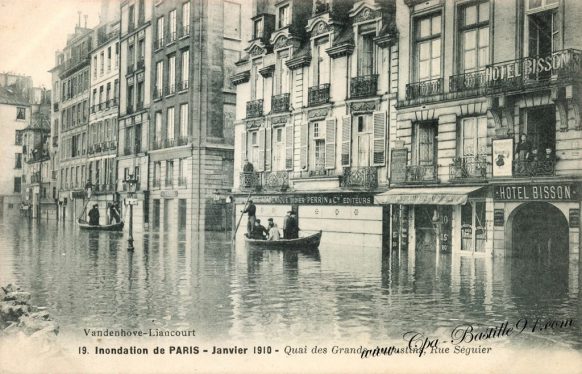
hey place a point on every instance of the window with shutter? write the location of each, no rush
(289, 147)
(346, 140)
(330, 143)
(379, 142)
(261, 145)
(303, 140)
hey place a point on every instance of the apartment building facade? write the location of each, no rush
(135, 99)
(195, 46)
(72, 72)
(102, 131)
(315, 98)
(485, 148)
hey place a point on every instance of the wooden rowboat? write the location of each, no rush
(111, 227)
(307, 242)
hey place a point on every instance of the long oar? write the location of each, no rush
(241, 216)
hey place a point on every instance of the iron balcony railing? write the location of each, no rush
(171, 89)
(183, 85)
(112, 102)
(362, 177)
(320, 172)
(157, 183)
(185, 30)
(318, 95)
(157, 93)
(280, 103)
(255, 108)
(424, 89)
(158, 144)
(182, 182)
(469, 168)
(169, 182)
(421, 173)
(184, 140)
(159, 43)
(364, 86)
(250, 181)
(172, 37)
(534, 168)
(170, 142)
(277, 180)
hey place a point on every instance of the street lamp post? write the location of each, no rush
(131, 183)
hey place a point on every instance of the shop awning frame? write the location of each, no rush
(450, 195)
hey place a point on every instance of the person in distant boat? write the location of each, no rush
(294, 228)
(273, 230)
(287, 225)
(250, 211)
(94, 215)
(259, 232)
(114, 213)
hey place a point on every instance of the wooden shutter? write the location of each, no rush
(346, 140)
(268, 149)
(289, 147)
(379, 144)
(304, 148)
(261, 166)
(330, 143)
(243, 147)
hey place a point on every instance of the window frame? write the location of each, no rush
(20, 113)
(417, 40)
(477, 26)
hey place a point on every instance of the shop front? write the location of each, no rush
(346, 218)
(439, 219)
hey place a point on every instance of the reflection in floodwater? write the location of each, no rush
(90, 280)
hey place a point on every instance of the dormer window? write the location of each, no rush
(258, 28)
(283, 16)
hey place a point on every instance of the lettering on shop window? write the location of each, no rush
(574, 218)
(498, 217)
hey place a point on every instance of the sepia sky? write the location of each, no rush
(32, 30)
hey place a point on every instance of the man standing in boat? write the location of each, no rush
(251, 211)
(273, 230)
(293, 229)
(113, 213)
(94, 215)
(287, 225)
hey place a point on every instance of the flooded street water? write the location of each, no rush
(90, 280)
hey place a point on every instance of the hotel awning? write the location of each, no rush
(426, 196)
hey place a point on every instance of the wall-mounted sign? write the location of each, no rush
(311, 199)
(398, 165)
(499, 217)
(502, 157)
(574, 218)
(539, 192)
(169, 194)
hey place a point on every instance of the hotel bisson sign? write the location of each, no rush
(539, 192)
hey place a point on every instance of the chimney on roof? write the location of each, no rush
(86, 16)
(79, 19)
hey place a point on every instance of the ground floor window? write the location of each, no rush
(473, 227)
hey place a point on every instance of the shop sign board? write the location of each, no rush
(502, 157)
(398, 165)
(359, 199)
(536, 192)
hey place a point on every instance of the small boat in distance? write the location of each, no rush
(84, 225)
(307, 242)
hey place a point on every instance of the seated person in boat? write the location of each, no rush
(273, 231)
(94, 215)
(259, 231)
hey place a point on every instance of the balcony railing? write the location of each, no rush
(364, 86)
(468, 168)
(183, 85)
(158, 144)
(318, 95)
(171, 37)
(157, 183)
(424, 89)
(159, 43)
(280, 103)
(171, 89)
(421, 173)
(254, 108)
(277, 180)
(321, 172)
(535, 168)
(250, 181)
(170, 142)
(112, 102)
(169, 182)
(182, 181)
(364, 177)
(184, 140)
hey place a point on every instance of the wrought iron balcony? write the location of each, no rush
(280, 103)
(250, 181)
(184, 140)
(254, 108)
(421, 173)
(157, 93)
(158, 144)
(156, 183)
(183, 85)
(171, 37)
(171, 89)
(170, 142)
(423, 89)
(520, 73)
(277, 180)
(182, 181)
(468, 168)
(159, 43)
(364, 177)
(185, 30)
(169, 182)
(313, 173)
(534, 168)
(318, 95)
(364, 86)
